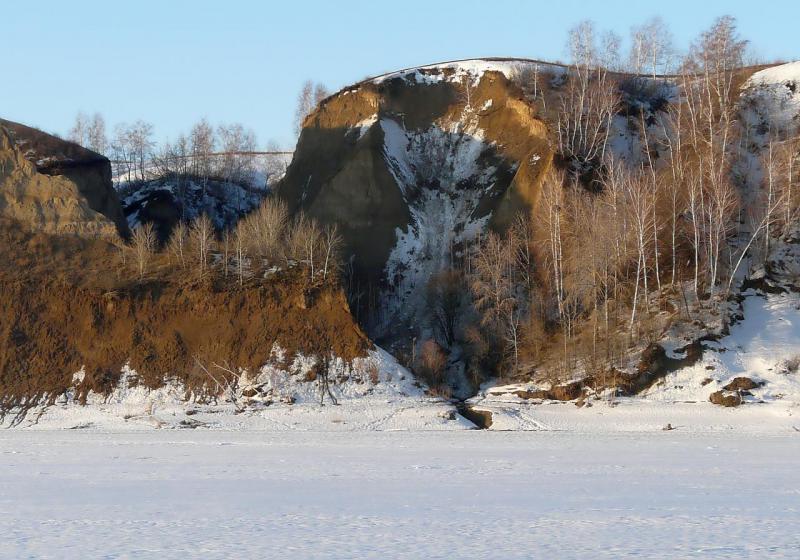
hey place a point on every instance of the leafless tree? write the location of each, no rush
(122, 150)
(79, 133)
(331, 245)
(309, 97)
(444, 298)
(201, 145)
(178, 243)
(201, 237)
(237, 145)
(651, 48)
(240, 243)
(304, 244)
(143, 243)
(141, 139)
(495, 287)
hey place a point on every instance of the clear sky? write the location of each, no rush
(173, 62)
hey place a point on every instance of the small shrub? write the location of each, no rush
(443, 391)
(373, 373)
(431, 363)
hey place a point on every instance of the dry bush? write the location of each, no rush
(443, 391)
(372, 372)
(431, 363)
(265, 228)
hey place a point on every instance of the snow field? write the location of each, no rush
(166, 495)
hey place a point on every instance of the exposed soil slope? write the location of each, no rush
(62, 308)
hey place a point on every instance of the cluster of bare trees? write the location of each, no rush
(586, 276)
(224, 153)
(589, 99)
(264, 239)
(89, 132)
(309, 97)
(131, 149)
(608, 258)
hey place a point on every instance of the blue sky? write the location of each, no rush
(173, 62)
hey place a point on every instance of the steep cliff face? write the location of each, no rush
(52, 185)
(413, 166)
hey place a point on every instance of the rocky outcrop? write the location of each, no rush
(50, 185)
(412, 166)
(168, 200)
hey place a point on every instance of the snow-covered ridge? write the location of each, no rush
(224, 203)
(474, 68)
(771, 99)
(780, 74)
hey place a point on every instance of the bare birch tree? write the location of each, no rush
(143, 243)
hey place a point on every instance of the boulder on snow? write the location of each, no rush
(743, 384)
(566, 392)
(726, 398)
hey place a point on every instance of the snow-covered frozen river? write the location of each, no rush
(202, 494)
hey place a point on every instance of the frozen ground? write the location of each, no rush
(79, 494)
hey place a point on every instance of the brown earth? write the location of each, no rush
(66, 302)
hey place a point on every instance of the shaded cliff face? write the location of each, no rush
(53, 185)
(414, 166)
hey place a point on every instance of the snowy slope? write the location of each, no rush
(771, 101)
(374, 393)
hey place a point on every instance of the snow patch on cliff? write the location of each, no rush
(442, 177)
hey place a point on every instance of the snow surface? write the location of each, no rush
(780, 74)
(759, 347)
(217, 495)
